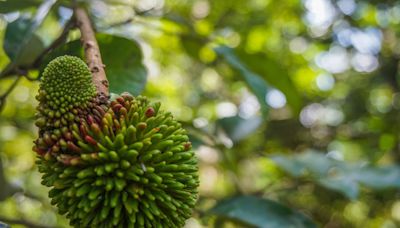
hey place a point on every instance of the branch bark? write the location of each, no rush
(92, 52)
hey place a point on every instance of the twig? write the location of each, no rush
(121, 23)
(8, 91)
(57, 42)
(92, 52)
(15, 70)
(23, 222)
(128, 20)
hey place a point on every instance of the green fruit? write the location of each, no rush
(67, 81)
(123, 163)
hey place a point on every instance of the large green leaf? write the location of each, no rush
(21, 49)
(260, 212)
(124, 67)
(338, 175)
(275, 74)
(237, 128)
(20, 43)
(256, 84)
(379, 177)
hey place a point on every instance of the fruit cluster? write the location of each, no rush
(120, 163)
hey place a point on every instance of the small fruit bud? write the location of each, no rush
(149, 112)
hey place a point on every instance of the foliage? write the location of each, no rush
(293, 106)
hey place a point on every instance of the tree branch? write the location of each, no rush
(92, 51)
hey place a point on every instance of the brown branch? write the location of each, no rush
(92, 51)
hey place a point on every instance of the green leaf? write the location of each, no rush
(71, 48)
(299, 165)
(237, 128)
(343, 184)
(9, 6)
(338, 175)
(124, 67)
(275, 74)
(255, 83)
(292, 166)
(21, 47)
(379, 177)
(260, 212)
(327, 172)
(20, 43)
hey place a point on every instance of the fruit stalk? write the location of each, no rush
(92, 52)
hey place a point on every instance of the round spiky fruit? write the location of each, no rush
(121, 163)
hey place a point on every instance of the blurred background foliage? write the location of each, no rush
(292, 106)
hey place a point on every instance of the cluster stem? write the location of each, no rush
(92, 51)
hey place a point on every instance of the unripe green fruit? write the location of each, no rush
(123, 163)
